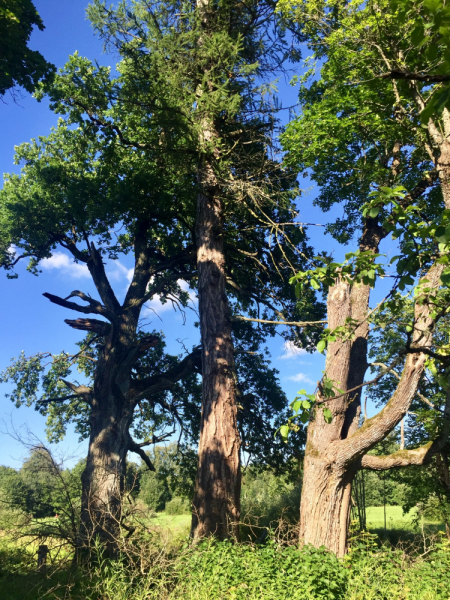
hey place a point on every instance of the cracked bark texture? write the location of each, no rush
(217, 491)
(115, 392)
(216, 505)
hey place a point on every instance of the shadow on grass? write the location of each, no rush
(396, 536)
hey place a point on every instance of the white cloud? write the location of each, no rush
(63, 262)
(119, 272)
(291, 351)
(156, 306)
(184, 285)
(301, 377)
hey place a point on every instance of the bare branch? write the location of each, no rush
(60, 399)
(137, 449)
(94, 325)
(290, 323)
(93, 308)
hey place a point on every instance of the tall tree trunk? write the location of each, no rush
(217, 492)
(216, 506)
(109, 441)
(334, 452)
(326, 491)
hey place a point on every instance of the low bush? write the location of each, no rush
(230, 571)
(177, 506)
(266, 498)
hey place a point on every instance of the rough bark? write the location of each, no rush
(115, 393)
(326, 492)
(216, 506)
(103, 477)
(217, 492)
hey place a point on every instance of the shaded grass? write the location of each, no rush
(400, 527)
(176, 523)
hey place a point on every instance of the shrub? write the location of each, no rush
(266, 498)
(178, 506)
(243, 571)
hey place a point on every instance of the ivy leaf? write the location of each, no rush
(296, 406)
(445, 278)
(321, 346)
(304, 417)
(284, 432)
(327, 415)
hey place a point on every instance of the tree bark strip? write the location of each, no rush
(216, 506)
(217, 495)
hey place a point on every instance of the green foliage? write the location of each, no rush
(153, 492)
(174, 475)
(267, 498)
(34, 489)
(20, 66)
(226, 570)
(430, 23)
(267, 572)
(178, 506)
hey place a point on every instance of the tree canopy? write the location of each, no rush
(20, 67)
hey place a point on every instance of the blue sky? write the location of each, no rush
(30, 323)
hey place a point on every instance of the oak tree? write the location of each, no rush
(360, 136)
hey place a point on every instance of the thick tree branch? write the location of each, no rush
(93, 308)
(402, 458)
(415, 456)
(99, 327)
(376, 428)
(421, 396)
(137, 449)
(167, 380)
(80, 390)
(136, 295)
(98, 274)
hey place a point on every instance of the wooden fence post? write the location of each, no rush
(42, 559)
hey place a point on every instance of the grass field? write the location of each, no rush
(175, 523)
(395, 519)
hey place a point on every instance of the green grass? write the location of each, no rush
(395, 519)
(176, 523)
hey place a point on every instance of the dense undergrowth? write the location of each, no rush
(149, 570)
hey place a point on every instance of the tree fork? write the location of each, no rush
(326, 493)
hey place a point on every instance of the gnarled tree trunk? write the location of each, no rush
(103, 477)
